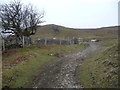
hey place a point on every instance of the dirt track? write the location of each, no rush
(61, 73)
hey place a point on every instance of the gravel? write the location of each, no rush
(61, 73)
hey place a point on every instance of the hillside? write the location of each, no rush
(100, 69)
(48, 31)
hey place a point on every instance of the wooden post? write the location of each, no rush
(70, 41)
(3, 44)
(23, 41)
(45, 41)
(73, 41)
(60, 41)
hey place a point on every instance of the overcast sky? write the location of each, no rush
(77, 13)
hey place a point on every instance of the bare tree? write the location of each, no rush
(11, 16)
(31, 18)
(19, 20)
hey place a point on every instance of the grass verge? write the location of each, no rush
(100, 70)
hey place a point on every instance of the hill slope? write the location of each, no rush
(52, 30)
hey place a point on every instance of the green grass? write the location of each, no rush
(23, 73)
(109, 42)
(100, 69)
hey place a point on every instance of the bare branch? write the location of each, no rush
(21, 20)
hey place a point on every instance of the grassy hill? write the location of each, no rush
(64, 32)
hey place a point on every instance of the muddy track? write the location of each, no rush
(61, 73)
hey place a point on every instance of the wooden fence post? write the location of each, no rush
(68, 41)
(45, 41)
(60, 41)
(23, 41)
(73, 40)
(3, 44)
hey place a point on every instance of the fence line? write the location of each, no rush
(60, 41)
(10, 42)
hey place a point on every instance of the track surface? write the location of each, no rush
(61, 73)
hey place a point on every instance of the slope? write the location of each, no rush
(48, 31)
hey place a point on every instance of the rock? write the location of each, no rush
(67, 75)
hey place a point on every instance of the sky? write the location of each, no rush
(77, 13)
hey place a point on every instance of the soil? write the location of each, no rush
(7, 53)
(61, 73)
(17, 60)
